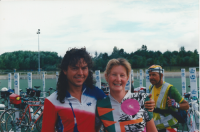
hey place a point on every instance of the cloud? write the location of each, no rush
(98, 25)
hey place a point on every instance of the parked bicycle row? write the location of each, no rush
(22, 112)
(193, 113)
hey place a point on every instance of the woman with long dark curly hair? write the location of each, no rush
(71, 58)
(72, 106)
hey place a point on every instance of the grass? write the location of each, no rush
(52, 83)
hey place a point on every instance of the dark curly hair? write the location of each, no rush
(71, 58)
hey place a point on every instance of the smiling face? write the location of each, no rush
(117, 78)
(77, 74)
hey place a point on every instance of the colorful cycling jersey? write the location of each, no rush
(71, 112)
(127, 116)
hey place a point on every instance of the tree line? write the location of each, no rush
(28, 60)
(142, 58)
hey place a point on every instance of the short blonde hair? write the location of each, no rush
(118, 62)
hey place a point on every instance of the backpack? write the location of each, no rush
(180, 115)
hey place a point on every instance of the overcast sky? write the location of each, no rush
(99, 25)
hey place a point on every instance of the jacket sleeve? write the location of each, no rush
(49, 117)
(176, 95)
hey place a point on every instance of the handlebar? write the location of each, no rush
(24, 99)
(52, 89)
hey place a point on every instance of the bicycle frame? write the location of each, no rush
(28, 109)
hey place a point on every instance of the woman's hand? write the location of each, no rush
(150, 105)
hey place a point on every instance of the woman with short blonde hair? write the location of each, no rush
(119, 61)
(121, 110)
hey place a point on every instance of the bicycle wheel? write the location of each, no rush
(17, 120)
(3, 118)
(39, 123)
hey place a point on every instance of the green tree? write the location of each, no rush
(178, 60)
(161, 60)
(167, 57)
(2, 64)
(175, 53)
(172, 62)
(182, 52)
(149, 62)
(115, 53)
(96, 54)
(105, 56)
(144, 47)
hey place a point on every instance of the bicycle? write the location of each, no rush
(3, 118)
(35, 93)
(193, 112)
(25, 119)
(32, 94)
(17, 120)
(6, 113)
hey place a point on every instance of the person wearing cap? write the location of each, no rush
(161, 92)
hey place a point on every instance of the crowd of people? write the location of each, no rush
(79, 106)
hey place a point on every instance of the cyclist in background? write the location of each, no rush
(166, 96)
